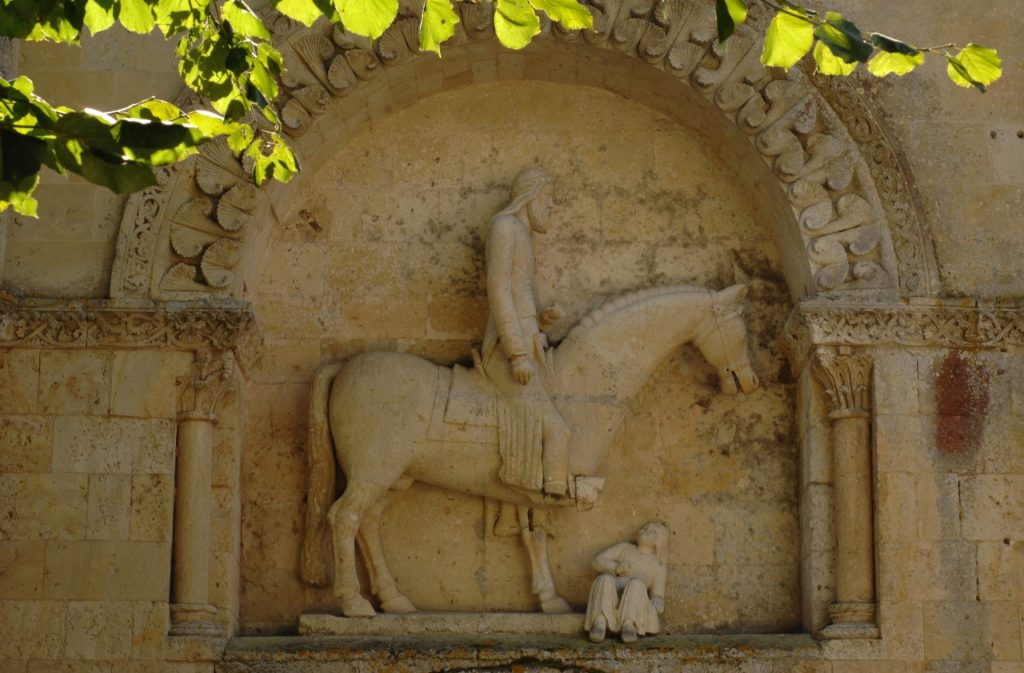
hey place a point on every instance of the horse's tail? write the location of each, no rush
(320, 468)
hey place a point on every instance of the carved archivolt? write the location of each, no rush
(88, 326)
(857, 221)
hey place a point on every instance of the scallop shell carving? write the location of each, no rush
(363, 63)
(181, 278)
(340, 77)
(399, 41)
(295, 118)
(314, 98)
(218, 260)
(217, 169)
(477, 19)
(314, 50)
(683, 57)
(189, 242)
(236, 207)
(347, 40)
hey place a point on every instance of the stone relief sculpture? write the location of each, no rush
(628, 596)
(526, 425)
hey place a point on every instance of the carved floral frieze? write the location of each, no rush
(71, 325)
(936, 324)
(852, 203)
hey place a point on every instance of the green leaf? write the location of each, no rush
(303, 11)
(829, 63)
(154, 110)
(789, 38)
(369, 18)
(437, 24)
(210, 124)
(136, 16)
(975, 66)
(884, 63)
(729, 13)
(515, 23)
(570, 13)
(244, 21)
(99, 15)
(843, 39)
(892, 45)
(22, 156)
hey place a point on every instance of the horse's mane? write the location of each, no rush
(596, 316)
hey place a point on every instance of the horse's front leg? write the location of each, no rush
(535, 537)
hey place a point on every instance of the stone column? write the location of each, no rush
(846, 377)
(191, 611)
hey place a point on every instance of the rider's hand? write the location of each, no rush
(659, 604)
(523, 369)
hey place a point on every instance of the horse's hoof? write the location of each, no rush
(555, 606)
(357, 607)
(398, 604)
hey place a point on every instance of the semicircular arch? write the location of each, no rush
(852, 228)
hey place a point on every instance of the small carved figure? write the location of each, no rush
(516, 331)
(629, 595)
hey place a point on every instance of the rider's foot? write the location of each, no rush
(598, 629)
(629, 632)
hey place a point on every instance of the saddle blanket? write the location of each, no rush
(465, 408)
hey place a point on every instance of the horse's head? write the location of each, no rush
(722, 338)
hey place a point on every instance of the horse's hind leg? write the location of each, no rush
(381, 580)
(346, 516)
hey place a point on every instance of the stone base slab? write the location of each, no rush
(420, 623)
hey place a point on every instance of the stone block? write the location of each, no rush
(992, 506)
(152, 507)
(938, 506)
(970, 630)
(143, 383)
(102, 570)
(43, 506)
(902, 573)
(150, 624)
(31, 629)
(817, 517)
(19, 381)
(98, 630)
(109, 506)
(225, 513)
(224, 584)
(71, 666)
(1001, 570)
(895, 383)
(114, 445)
(816, 456)
(896, 507)
(900, 445)
(21, 569)
(902, 627)
(74, 382)
(26, 443)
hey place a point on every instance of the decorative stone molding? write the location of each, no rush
(854, 208)
(98, 325)
(846, 377)
(939, 324)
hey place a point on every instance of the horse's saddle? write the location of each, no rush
(465, 407)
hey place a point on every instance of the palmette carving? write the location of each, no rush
(846, 378)
(838, 148)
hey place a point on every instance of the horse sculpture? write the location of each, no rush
(381, 407)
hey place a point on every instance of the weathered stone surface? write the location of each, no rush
(74, 382)
(19, 381)
(442, 622)
(26, 443)
(109, 499)
(21, 570)
(143, 384)
(40, 629)
(43, 506)
(114, 445)
(105, 570)
(151, 507)
(99, 629)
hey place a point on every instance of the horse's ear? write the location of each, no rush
(734, 294)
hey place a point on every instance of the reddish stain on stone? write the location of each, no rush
(961, 395)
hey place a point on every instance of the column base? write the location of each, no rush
(851, 621)
(194, 619)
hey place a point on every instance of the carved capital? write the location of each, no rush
(211, 379)
(847, 380)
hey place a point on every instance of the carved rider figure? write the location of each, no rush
(533, 436)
